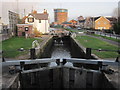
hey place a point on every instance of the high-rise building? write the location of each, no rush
(60, 15)
(119, 11)
(13, 21)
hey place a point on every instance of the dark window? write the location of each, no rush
(23, 33)
(26, 28)
(30, 20)
(39, 21)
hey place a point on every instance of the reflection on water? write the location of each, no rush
(60, 51)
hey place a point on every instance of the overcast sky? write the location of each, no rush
(75, 7)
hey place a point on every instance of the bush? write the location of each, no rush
(37, 33)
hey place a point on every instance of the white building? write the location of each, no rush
(40, 21)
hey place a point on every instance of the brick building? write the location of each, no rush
(74, 22)
(25, 30)
(60, 15)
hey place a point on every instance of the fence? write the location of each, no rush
(108, 35)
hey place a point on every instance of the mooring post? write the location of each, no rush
(88, 53)
(3, 59)
(100, 65)
(32, 53)
(64, 61)
(22, 65)
(58, 61)
(20, 74)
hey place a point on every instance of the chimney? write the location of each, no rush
(34, 12)
(45, 11)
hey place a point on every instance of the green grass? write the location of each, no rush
(109, 38)
(10, 47)
(74, 30)
(90, 42)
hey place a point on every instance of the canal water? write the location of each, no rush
(60, 51)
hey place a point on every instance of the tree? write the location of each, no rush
(37, 33)
(116, 27)
(115, 12)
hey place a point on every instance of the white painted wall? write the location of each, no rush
(42, 27)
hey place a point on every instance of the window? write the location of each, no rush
(98, 22)
(30, 20)
(39, 21)
(26, 28)
(105, 22)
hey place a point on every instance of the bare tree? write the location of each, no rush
(115, 13)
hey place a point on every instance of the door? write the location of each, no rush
(23, 33)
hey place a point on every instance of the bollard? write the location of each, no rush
(88, 53)
(100, 65)
(22, 65)
(3, 59)
(58, 61)
(32, 53)
(64, 61)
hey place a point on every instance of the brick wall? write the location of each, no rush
(102, 23)
(22, 31)
(61, 17)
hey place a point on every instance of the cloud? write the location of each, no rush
(61, 0)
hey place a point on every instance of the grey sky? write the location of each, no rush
(75, 7)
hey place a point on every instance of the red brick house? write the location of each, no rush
(25, 30)
(74, 22)
(66, 24)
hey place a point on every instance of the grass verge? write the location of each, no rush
(10, 47)
(90, 42)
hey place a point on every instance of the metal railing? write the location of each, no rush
(58, 61)
(18, 65)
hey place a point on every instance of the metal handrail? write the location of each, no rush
(34, 61)
(92, 61)
(72, 60)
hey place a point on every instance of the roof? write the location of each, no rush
(80, 21)
(60, 9)
(95, 18)
(111, 18)
(72, 20)
(66, 23)
(41, 16)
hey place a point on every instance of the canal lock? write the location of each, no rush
(77, 76)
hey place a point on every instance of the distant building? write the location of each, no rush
(1, 25)
(60, 15)
(34, 22)
(81, 23)
(66, 24)
(89, 23)
(13, 21)
(119, 11)
(100, 23)
(25, 30)
(80, 18)
(74, 22)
